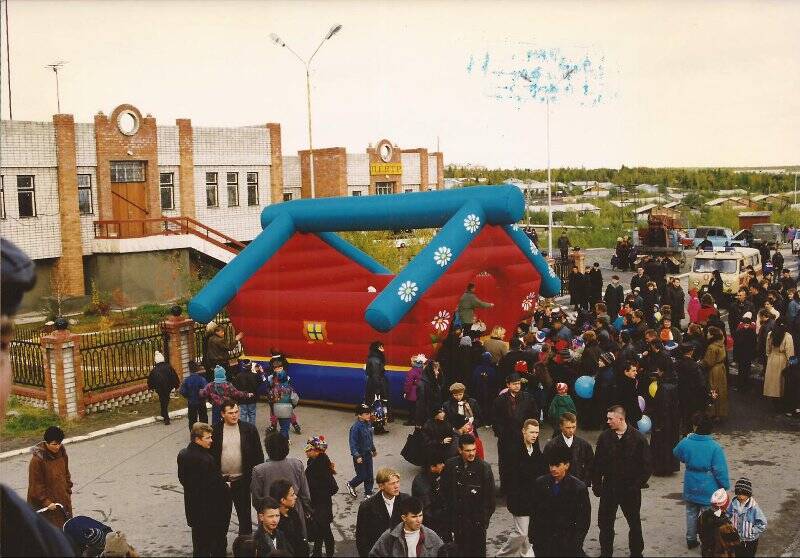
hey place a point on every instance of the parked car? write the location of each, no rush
(770, 234)
(719, 236)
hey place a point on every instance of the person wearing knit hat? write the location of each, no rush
(747, 517)
(162, 380)
(220, 390)
(321, 484)
(561, 403)
(745, 349)
(718, 536)
(459, 404)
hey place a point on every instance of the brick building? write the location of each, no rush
(91, 202)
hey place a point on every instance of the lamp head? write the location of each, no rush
(277, 40)
(333, 30)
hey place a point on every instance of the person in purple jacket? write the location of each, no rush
(413, 376)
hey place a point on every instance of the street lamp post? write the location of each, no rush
(307, 63)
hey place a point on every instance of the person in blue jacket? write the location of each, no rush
(190, 388)
(706, 471)
(362, 448)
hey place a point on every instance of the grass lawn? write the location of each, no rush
(27, 428)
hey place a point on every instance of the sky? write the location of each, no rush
(667, 83)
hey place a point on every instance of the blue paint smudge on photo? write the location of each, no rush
(485, 65)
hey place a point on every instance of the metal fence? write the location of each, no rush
(119, 358)
(26, 362)
(562, 269)
(200, 334)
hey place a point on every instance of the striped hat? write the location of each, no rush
(743, 487)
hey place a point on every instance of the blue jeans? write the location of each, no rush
(363, 473)
(284, 426)
(216, 414)
(248, 412)
(693, 512)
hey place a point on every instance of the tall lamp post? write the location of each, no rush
(307, 63)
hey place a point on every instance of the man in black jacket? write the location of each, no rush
(614, 297)
(622, 466)
(516, 353)
(561, 511)
(511, 409)
(206, 497)
(738, 309)
(380, 511)
(236, 450)
(582, 452)
(596, 284)
(468, 494)
(427, 487)
(639, 280)
(676, 299)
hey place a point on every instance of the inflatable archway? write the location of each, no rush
(301, 288)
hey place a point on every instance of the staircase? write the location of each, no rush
(165, 233)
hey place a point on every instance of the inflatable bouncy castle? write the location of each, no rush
(300, 288)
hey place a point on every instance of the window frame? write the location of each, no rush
(382, 186)
(31, 191)
(252, 188)
(3, 196)
(212, 180)
(87, 189)
(166, 185)
(288, 196)
(129, 168)
(232, 187)
(355, 193)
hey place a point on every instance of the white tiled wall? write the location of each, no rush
(242, 222)
(39, 237)
(363, 189)
(411, 170)
(232, 146)
(87, 221)
(168, 149)
(432, 170)
(357, 169)
(27, 144)
(295, 192)
(291, 172)
(85, 145)
(412, 187)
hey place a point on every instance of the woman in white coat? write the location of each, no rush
(780, 348)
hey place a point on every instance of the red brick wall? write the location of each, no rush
(276, 162)
(186, 168)
(330, 172)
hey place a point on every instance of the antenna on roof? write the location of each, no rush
(56, 66)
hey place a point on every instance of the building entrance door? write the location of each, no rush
(382, 188)
(129, 200)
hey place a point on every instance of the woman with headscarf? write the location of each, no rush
(666, 418)
(716, 286)
(780, 348)
(429, 393)
(162, 380)
(715, 363)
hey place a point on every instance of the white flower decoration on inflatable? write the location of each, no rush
(472, 222)
(515, 227)
(442, 256)
(529, 301)
(441, 321)
(407, 291)
(551, 272)
(534, 250)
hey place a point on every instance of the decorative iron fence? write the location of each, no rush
(562, 269)
(26, 362)
(113, 360)
(200, 336)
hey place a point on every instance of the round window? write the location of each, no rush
(385, 151)
(128, 122)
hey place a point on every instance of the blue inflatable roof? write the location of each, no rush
(460, 213)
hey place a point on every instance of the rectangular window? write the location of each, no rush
(356, 193)
(252, 188)
(288, 196)
(408, 190)
(232, 180)
(3, 196)
(85, 194)
(212, 198)
(26, 195)
(167, 184)
(315, 331)
(127, 171)
(383, 188)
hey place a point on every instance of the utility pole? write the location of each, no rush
(55, 66)
(8, 65)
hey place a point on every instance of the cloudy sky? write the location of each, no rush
(637, 83)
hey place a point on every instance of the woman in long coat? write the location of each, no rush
(715, 363)
(780, 347)
(666, 417)
(577, 287)
(49, 480)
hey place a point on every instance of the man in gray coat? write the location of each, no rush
(467, 305)
(279, 466)
(396, 541)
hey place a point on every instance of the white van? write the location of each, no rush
(731, 263)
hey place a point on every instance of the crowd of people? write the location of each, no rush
(622, 362)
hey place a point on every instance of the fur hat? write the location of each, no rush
(211, 326)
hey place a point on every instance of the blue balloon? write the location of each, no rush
(644, 425)
(584, 387)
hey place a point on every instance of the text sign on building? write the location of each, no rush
(385, 168)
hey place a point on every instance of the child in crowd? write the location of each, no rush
(190, 388)
(218, 391)
(283, 398)
(561, 403)
(362, 448)
(322, 486)
(278, 369)
(747, 517)
(413, 377)
(718, 536)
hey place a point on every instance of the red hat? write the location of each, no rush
(561, 388)
(521, 366)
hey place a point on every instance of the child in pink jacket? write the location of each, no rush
(413, 376)
(693, 308)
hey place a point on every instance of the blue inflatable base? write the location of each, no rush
(340, 384)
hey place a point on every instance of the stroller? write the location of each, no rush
(87, 535)
(380, 415)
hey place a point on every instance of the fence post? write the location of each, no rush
(63, 371)
(180, 341)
